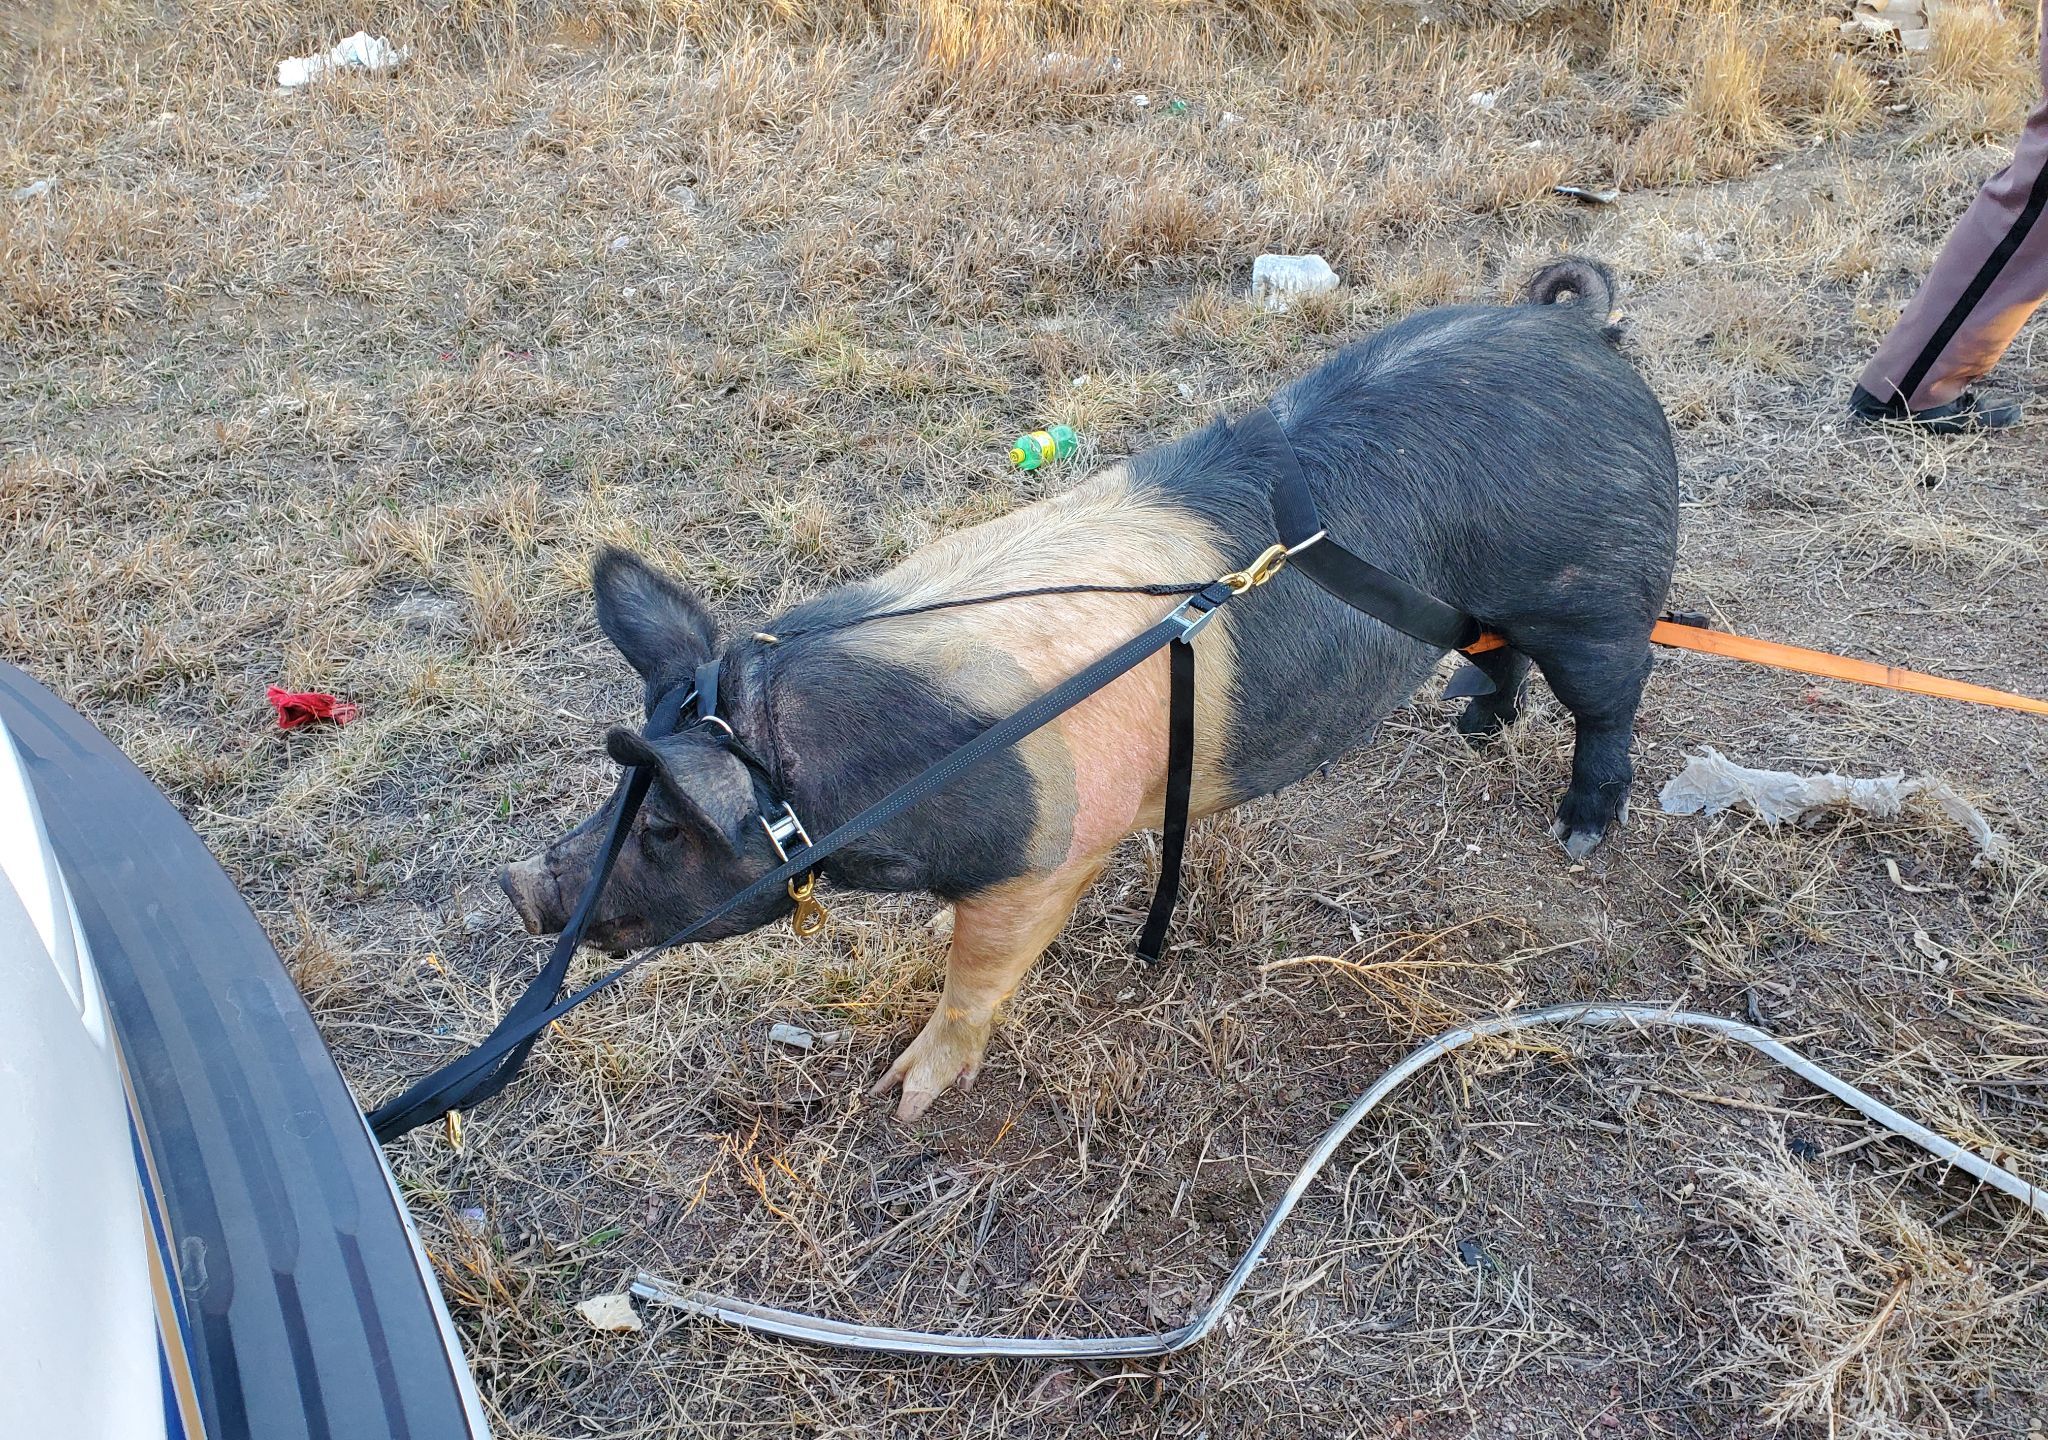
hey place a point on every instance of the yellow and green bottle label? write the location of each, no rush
(1042, 447)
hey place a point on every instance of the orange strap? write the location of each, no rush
(1816, 662)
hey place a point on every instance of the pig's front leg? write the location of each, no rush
(997, 936)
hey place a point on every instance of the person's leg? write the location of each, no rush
(1990, 276)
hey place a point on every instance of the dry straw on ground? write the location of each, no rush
(340, 388)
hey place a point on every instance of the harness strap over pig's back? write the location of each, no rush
(1358, 582)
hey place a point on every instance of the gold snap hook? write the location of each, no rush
(1259, 571)
(810, 915)
(451, 1126)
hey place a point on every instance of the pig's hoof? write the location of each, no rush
(1577, 843)
(1480, 722)
(945, 1053)
(1585, 819)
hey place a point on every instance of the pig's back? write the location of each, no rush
(1505, 459)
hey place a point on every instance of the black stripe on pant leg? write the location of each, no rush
(1987, 275)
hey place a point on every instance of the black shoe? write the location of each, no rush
(1964, 415)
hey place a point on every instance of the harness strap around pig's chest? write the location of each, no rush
(1358, 582)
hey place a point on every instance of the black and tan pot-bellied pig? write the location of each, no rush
(1504, 458)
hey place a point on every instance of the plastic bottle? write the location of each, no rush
(1041, 447)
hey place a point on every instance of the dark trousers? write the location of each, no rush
(1989, 277)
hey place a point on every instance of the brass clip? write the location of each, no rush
(1259, 571)
(451, 1126)
(810, 915)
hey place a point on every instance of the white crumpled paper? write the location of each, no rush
(1280, 280)
(1711, 783)
(361, 51)
(610, 1312)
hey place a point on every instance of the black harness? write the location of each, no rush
(492, 1064)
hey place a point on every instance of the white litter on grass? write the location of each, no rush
(1280, 280)
(1711, 783)
(35, 189)
(361, 51)
(784, 1033)
(610, 1312)
(1483, 99)
(428, 613)
(1910, 22)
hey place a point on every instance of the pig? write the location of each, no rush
(1505, 458)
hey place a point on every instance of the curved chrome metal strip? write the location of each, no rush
(795, 1325)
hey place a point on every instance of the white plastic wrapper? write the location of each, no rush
(361, 51)
(1711, 783)
(1280, 280)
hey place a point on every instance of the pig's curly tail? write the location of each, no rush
(1579, 283)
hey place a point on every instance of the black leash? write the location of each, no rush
(1180, 776)
(489, 1067)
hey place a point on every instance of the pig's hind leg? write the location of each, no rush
(997, 937)
(1485, 716)
(1601, 682)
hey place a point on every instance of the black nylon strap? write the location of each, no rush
(480, 1074)
(395, 1117)
(1180, 771)
(707, 689)
(1357, 582)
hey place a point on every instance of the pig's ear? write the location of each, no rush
(706, 781)
(660, 627)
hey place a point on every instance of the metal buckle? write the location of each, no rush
(811, 915)
(784, 828)
(1192, 615)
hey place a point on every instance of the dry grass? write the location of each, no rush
(341, 389)
(1870, 1320)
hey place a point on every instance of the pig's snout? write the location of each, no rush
(534, 894)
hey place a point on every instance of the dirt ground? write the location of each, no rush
(340, 389)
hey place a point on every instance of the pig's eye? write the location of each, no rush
(664, 832)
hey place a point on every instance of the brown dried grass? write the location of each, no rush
(342, 389)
